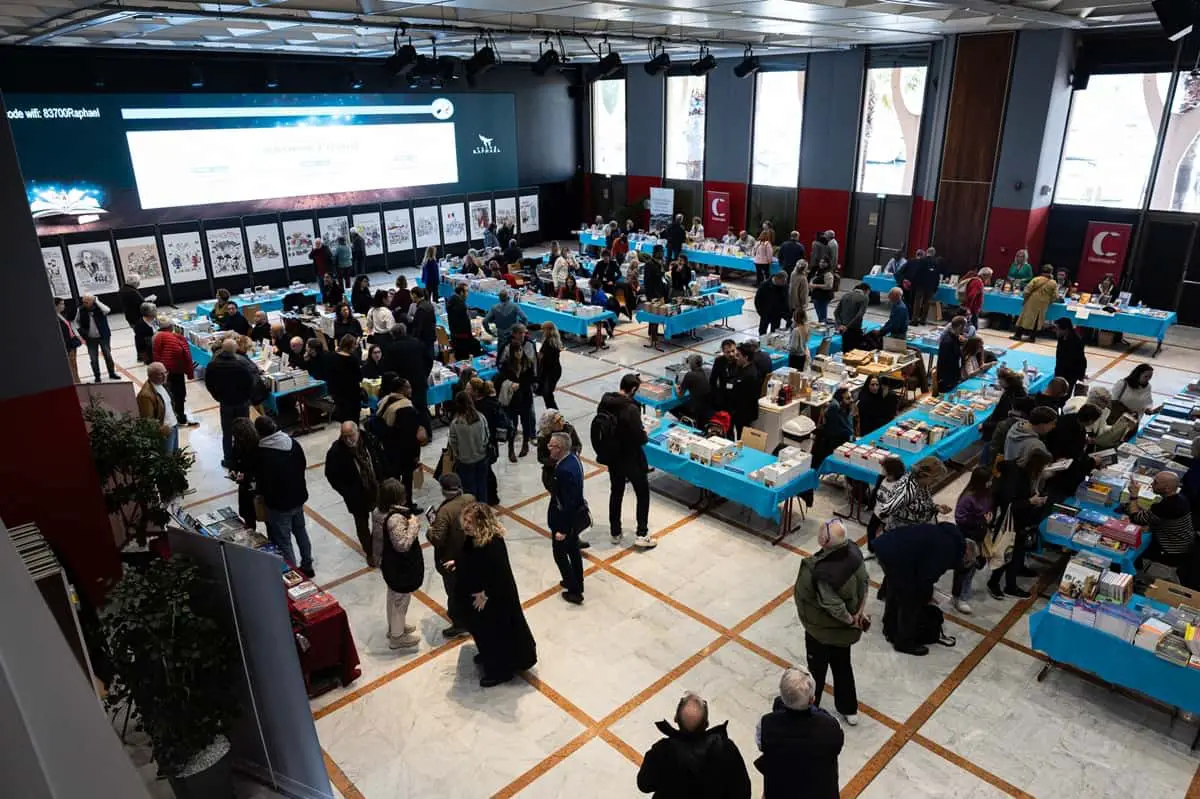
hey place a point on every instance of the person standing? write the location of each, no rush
(172, 351)
(501, 318)
(447, 536)
(618, 439)
(343, 261)
(654, 286)
(91, 320)
(411, 359)
(71, 339)
(487, 590)
(352, 469)
(771, 303)
(458, 319)
(791, 252)
(424, 320)
(131, 299)
(676, 235)
(468, 444)
(911, 502)
(923, 275)
(322, 260)
(379, 319)
(431, 277)
(143, 332)
(281, 482)
(401, 298)
(836, 428)
(822, 290)
(518, 372)
(1070, 357)
(1020, 493)
(1039, 293)
(345, 380)
(154, 403)
(800, 743)
(848, 316)
(398, 553)
(483, 393)
(831, 598)
(1020, 270)
(397, 426)
(973, 515)
(358, 255)
(798, 340)
(950, 355)
(567, 515)
(970, 293)
(230, 379)
(693, 759)
(549, 364)
(798, 287)
(696, 391)
(762, 256)
(490, 240)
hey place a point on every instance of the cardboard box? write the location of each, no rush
(1172, 594)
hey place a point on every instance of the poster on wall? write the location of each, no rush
(266, 251)
(506, 212)
(481, 217)
(1105, 246)
(56, 272)
(399, 230)
(368, 227)
(139, 256)
(332, 227)
(425, 223)
(185, 257)
(529, 214)
(95, 272)
(716, 213)
(297, 241)
(454, 223)
(662, 207)
(226, 251)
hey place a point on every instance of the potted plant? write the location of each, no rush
(175, 665)
(138, 475)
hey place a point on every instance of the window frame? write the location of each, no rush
(667, 127)
(754, 126)
(860, 153)
(624, 124)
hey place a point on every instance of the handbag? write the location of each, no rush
(508, 389)
(582, 518)
(998, 544)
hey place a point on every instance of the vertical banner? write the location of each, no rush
(662, 207)
(1105, 247)
(716, 213)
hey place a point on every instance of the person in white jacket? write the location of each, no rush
(562, 269)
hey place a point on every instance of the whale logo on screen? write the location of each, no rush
(442, 108)
(487, 146)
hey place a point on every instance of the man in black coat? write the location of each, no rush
(627, 460)
(280, 479)
(746, 387)
(424, 320)
(132, 298)
(412, 360)
(675, 234)
(358, 252)
(720, 379)
(771, 303)
(352, 470)
(1070, 357)
(654, 285)
(231, 380)
(923, 274)
(915, 558)
(790, 252)
(949, 356)
(800, 743)
(694, 760)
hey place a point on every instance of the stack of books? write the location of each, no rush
(34, 551)
(1118, 620)
(1126, 532)
(314, 604)
(1115, 587)
(1082, 575)
(1150, 633)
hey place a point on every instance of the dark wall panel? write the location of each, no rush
(962, 210)
(645, 99)
(776, 204)
(728, 123)
(1067, 226)
(977, 100)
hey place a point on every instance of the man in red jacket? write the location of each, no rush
(172, 351)
(970, 292)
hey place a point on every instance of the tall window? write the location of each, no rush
(887, 157)
(608, 127)
(686, 106)
(1177, 184)
(1109, 147)
(778, 119)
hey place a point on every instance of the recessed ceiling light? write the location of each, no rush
(738, 11)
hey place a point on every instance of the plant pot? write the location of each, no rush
(213, 781)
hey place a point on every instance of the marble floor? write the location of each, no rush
(709, 610)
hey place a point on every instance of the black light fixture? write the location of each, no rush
(609, 64)
(705, 64)
(748, 66)
(484, 59)
(659, 61)
(356, 82)
(272, 81)
(403, 58)
(547, 59)
(197, 77)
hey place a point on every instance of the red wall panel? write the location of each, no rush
(49, 479)
(738, 193)
(1012, 229)
(920, 226)
(822, 209)
(637, 188)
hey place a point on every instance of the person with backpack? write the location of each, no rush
(915, 558)
(618, 437)
(400, 560)
(397, 428)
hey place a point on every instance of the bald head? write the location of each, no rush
(349, 434)
(895, 295)
(1166, 484)
(229, 345)
(692, 713)
(297, 344)
(259, 317)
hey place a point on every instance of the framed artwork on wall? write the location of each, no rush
(185, 257)
(139, 256)
(95, 270)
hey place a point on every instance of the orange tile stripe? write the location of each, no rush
(1193, 791)
(968, 766)
(339, 779)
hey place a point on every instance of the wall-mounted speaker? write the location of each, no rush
(1176, 17)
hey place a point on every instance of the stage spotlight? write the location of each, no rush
(547, 61)
(197, 77)
(658, 65)
(608, 66)
(704, 65)
(449, 68)
(483, 60)
(401, 62)
(748, 66)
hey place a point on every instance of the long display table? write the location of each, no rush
(537, 314)
(267, 304)
(695, 256)
(695, 317)
(1127, 561)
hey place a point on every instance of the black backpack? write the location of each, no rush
(605, 439)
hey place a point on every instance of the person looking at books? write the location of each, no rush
(1020, 493)
(911, 502)
(950, 355)
(1024, 437)
(973, 515)
(1169, 520)
(1134, 394)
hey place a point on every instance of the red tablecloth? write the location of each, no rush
(331, 653)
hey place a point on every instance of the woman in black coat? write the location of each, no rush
(486, 588)
(876, 406)
(458, 318)
(242, 465)
(549, 363)
(1019, 492)
(1070, 359)
(486, 403)
(360, 295)
(345, 381)
(396, 427)
(344, 324)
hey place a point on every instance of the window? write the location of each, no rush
(778, 119)
(608, 127)
(686, 106)
(1111, 134)
(887, 149)
(1177, 184)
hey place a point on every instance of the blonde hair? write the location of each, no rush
(481, 523)
(550, 335)
(483, 388)
(431, 253)
(244, 344)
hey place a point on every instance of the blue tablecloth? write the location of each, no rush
(722, 480)
(536, 314)
(959, 439)
(444, 392)
(200, 356)
(315, 387)
(1137, 324)
(1125, 561)
(266, 306)
(778, 359)
(1114, 660)
(693, 318)
(713, 259)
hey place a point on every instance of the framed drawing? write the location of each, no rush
(139, 256)
(185, 257)
(529, 214)
(425, 222)
(226, 251)
(266, 251)
(398, 226)
(56, 272)
(95, 271)
(369, 228)
(331, 228)
(506, 212)
(481, 217)
(297, 241)
(454, 223)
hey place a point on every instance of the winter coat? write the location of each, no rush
(702, 765)
(172, 351)
(354, 473)
(281, 465)
(915, 557)
(230, 379)
(800, 751)
(1070, 359)
(1039, 294)
(831, 588)
(630, 433)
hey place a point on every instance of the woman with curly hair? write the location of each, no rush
(486, 587)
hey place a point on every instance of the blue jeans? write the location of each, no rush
(281, 526)
(821, 306)
(171, 442)
(474, 478)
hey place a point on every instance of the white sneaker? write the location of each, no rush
(962, 606)
(406, 641)
(616, 539)
(851, 720)
(645, 542)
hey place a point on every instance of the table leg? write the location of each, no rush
(785, 523)
(1045, 670)
(1157, 350)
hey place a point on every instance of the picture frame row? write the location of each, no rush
(261, 248)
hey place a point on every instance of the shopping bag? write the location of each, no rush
(418, 480)
(755, 439)
(998, 544)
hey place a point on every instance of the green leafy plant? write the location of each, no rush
(173, 657)
(138, 476)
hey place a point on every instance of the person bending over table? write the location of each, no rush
(1055, 395)
(950, 356)
(836, 428)
(696, 391)
(1039, 293)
